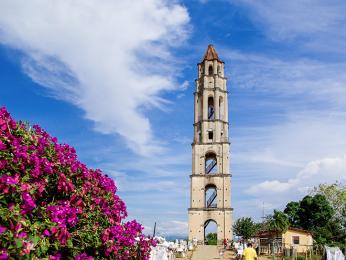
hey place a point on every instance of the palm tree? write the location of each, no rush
(279, 223)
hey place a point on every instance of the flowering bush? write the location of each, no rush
(52, 206)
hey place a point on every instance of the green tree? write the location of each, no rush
(245, 228)
(291, 210)
(278, 222)
(211, 239)
(336, 195)
(314, 212)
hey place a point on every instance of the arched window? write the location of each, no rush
(211, 110)
(210, 232)
(210, 70)
(210, 196)
(221, 108)
(210, 163)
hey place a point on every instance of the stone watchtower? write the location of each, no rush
(210, 199)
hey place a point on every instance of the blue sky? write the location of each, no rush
(115, 80)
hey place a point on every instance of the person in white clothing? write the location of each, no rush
(240, 251)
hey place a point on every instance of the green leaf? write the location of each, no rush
(19, 243)
(69, 243)
(56, 245)
(44, 248)
(35, 239)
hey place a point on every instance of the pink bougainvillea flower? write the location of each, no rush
(17, 227)
(57, 256)
(2, 146)
(28, 202)
(27, 247)
(46, 233)
(54, 230)
(63, 236)
(3, 127)
(3, 164)
(64, 185)
(3, 254)
(11, 206)
(25, 187)
(64, 215)
(53, 196)
(9, 179)
(2, 229)
(83, 256)
(22, 235)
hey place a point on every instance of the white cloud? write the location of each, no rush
(185, 85)
(295, 115)
(315, 24)
(109, 58)
(267, 195)
(300, 138)
(284, 77)
(278, 163)
(326, 170)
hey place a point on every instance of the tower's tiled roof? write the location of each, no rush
(211, 54)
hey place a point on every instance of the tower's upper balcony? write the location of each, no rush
(211, 71)
(211, 64)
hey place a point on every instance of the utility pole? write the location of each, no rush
(154, 229)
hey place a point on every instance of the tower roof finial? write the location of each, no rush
(211, 54)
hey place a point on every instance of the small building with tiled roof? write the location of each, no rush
(294, 240)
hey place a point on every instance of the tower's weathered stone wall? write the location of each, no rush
(210, 145)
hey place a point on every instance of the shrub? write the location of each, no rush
(53, 206)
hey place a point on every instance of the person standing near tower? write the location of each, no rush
(249, 253)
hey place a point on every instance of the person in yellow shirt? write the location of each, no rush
(249, 253)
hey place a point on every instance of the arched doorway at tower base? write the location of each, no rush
(210, 232)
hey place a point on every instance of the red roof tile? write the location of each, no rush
(211, 54)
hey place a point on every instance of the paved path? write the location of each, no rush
(205, 252)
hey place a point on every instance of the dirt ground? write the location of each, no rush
(209, 253)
